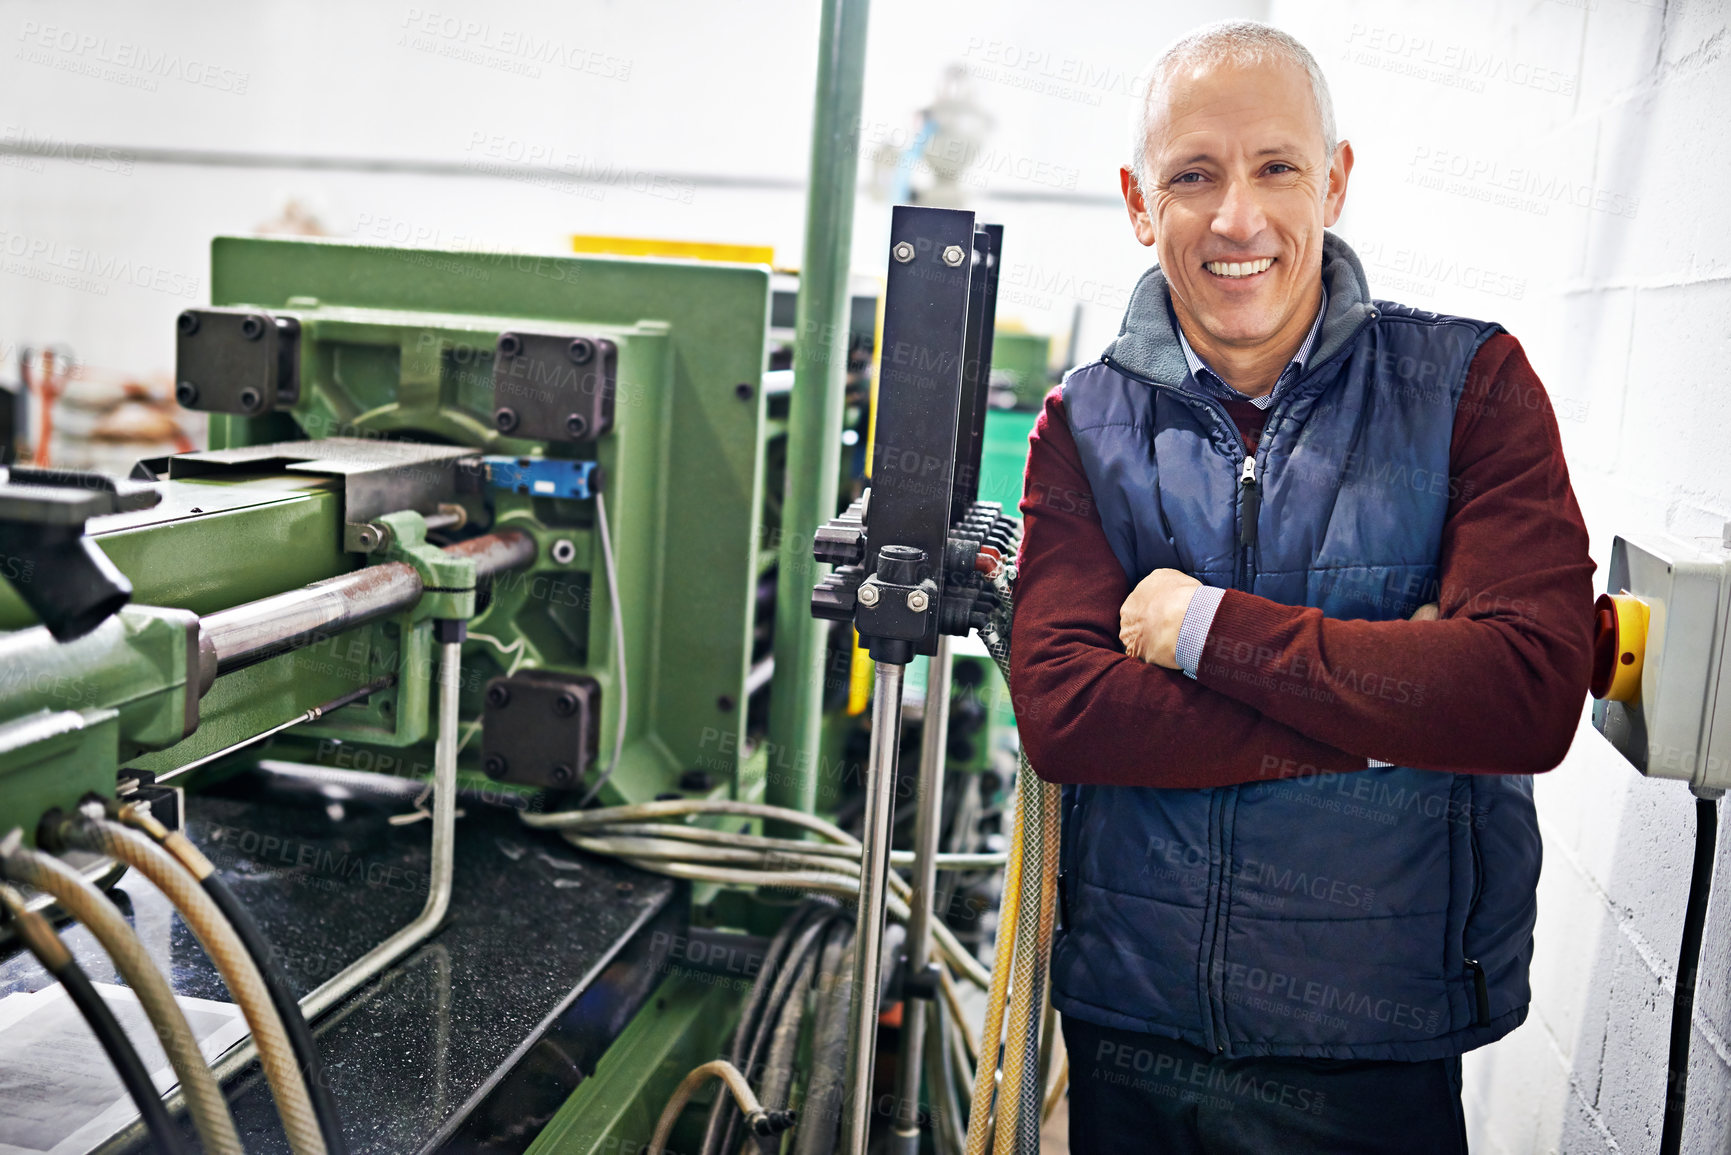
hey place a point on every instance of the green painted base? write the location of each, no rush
(685, 1024)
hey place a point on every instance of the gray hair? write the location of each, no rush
(1242, 42)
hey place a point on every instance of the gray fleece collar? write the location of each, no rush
(1147, 343)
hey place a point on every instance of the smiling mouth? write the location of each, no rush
(1236, 269)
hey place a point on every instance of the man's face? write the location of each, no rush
(1237, 177)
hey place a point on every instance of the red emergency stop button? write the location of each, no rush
(1619, 646)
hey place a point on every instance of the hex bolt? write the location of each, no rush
(505, 419)
(565, 704)
(365, 538)
(953, 255)
(187, 323)
(918, 601)
(580, 350)
(562, 773)
(187, 394)
(576, 424)
(498, 694)
(250, 399)
(495, 766)
(868, 595)
(563, 552)
(903, 252)
(509, 345)
(251, 328)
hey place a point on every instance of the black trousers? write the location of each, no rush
(1131, 1092)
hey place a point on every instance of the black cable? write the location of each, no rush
(810, 938)
(748, 1019)
(122, 1054)
(1688, 962)
(288, 1008)
(58, 961)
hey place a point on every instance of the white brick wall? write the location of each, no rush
(1624, 307)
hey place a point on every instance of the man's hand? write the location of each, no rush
(1149, 619)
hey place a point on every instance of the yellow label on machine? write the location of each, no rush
(686, 250)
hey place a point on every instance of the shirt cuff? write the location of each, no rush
(1193, 632)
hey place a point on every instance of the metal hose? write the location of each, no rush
(760, 1121)
(89, 906)
(225, 949)
(582, 823)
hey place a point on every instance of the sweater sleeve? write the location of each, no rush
(1088, 712)
(1496, 685)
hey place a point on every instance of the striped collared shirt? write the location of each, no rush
(1207, 382)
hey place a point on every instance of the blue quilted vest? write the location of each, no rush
(1383, 914)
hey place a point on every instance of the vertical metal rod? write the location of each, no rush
(869, 918)
(440, 873)
(815, 408)
(928, 820)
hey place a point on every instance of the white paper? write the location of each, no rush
(59, 1094)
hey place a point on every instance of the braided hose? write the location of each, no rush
(239, 972)
(1023, 956)
(89, 906)
(1024, 986)
(986, 1073)
(1031, 1096)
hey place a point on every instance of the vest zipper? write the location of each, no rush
(1250, 509)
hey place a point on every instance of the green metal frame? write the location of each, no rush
(399, 344)
(684, 1024)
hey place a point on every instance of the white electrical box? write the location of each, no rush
(1678, 724)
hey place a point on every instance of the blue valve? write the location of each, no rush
(544, 476)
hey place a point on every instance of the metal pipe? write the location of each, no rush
(814, 415)
(869, 918)
(311, 715)
(357, 973)
(494, 553)
(235, 638)
(934, 746)
(243, 635)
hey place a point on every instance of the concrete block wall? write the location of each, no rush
(1559, 167)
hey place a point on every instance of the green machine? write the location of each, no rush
(366, 403)
(499, 521)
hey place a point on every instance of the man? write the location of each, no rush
(1304, 601)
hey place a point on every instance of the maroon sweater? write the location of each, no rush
(1495, 686)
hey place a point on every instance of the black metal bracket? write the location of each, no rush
(58, 571)
(243, 361)
(553, 387)
(913, 553)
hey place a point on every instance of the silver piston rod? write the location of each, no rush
(235, 638)
(869, 918)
